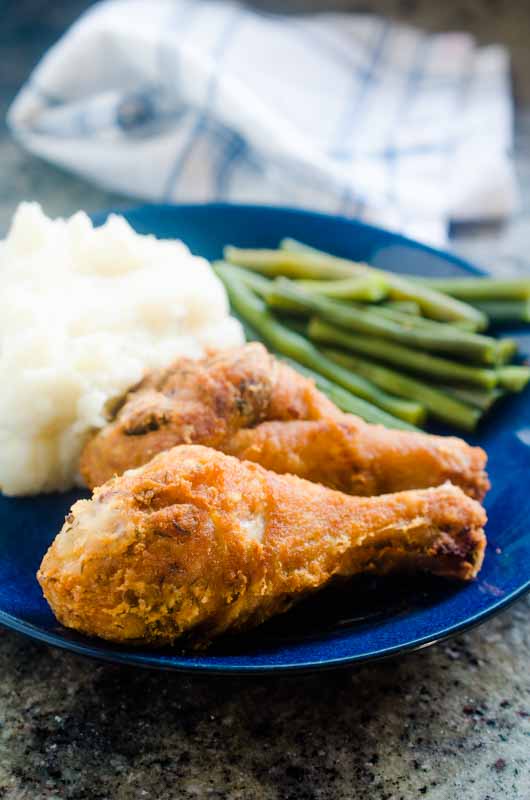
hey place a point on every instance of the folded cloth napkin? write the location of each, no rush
(179, 100)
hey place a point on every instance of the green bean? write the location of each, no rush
(481, 398)
(407, 306)
(253, 280)
(283, 305)
(369, 321)
(403, 317)
(466, 325)
(434, 304)
(346, 401)
(411, 412)
(503, 312)
(480, 288)
(438, 404)
(404, 357)
(506, 349)
(404, 409)
(418, 321)
(412, 309)
(513, 377)
(415, 321)
(276, 263)
(249, 306)
(369, 288)
(260, 285)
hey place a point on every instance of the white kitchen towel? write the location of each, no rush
(197, 100)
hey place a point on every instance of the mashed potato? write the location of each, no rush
(84, 312)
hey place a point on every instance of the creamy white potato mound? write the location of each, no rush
(84, 312)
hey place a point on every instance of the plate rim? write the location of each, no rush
(98, 217)
(179, 663)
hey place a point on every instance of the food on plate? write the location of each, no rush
(84, 312)
(401, 337)
(202, 401)
(247, 403)
(296, 260)
(479, 289)
(197, 543)
(360, 459)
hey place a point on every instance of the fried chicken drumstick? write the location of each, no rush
(197, 543)
(351, 456)
(247, 403)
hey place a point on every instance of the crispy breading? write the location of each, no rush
(347, 454)
(203, 401)
(197, 543)
(221, 401)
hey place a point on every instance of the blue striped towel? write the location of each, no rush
(179, 100)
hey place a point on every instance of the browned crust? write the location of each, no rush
(246, 403)
(349, 455)
(165, 551)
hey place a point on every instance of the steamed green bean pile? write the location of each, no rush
(393, 349)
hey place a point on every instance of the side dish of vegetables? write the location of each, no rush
(398, 350)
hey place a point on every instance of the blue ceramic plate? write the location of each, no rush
(370, 619)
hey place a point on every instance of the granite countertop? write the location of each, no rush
(449, 722)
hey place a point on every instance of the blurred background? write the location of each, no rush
(30, 27)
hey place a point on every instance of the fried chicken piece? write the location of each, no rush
(218, 401)
(197, 543)
(199, 401)
(349, 455)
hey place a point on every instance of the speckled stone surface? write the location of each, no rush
(448, 723)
